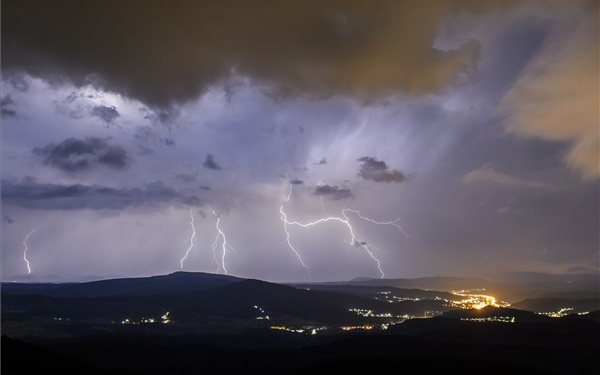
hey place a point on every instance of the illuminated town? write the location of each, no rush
(467, 299)
(164, 319)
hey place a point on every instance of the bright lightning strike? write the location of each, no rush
(214, 250)
(26, 247)
(345, 220)
(192, 239)
(285, 221)
(393, 223)
(224, 245)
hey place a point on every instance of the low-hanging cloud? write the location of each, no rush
(75, 155)
(30, 194)
(210, 163)
(333, 192)
(378, 171)
(178, 49)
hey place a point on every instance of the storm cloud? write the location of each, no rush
(30, 194)
(333, 192)
(108, 114)
(318, 48)
(209, 162)
(378, 171)
(75, 155)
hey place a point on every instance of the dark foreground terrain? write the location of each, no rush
(188, 323)
(565, 345)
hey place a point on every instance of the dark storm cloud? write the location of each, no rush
(74, 155)
(296, 181)
(378, 171)
(7, 104)
(333, 192)
(108, 114)
(31, 194)
(166, 53)
(204, 187)
(210, 163)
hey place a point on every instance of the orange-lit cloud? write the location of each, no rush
(556, 96)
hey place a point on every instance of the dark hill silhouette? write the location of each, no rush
(77, 328)
(140, 286)
(191, 297)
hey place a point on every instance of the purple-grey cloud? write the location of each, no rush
(7, 105)
(30, 194)
(210, 163)
(377, 170)
(332, 192)
(108, 114)
(75, 155)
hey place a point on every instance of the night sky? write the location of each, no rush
(474, 123)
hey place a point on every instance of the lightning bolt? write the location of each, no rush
(192, 238)
(214, 250)
(285, 221)
(224, 245)
(26, 247)
(393, 223)
(343, 219)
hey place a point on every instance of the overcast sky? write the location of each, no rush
(474, 123)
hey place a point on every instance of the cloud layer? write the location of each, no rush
(164, 53)
(31, 194)
(75, 155)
